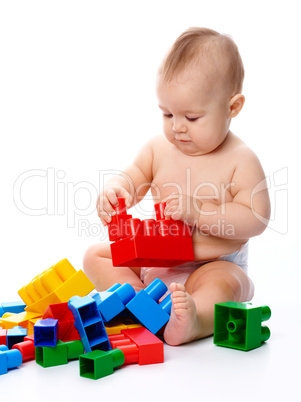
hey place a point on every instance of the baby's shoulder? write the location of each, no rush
(158, 141)
(247, 169)
(158, 145)
(240, 151)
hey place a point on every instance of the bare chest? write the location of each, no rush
(202, 176)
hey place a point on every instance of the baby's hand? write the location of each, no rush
(107, 199)
(183, 207)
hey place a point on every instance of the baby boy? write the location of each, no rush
(207, 177)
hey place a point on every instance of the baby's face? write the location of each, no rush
(196, 119)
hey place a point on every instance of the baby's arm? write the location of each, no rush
(246, 215)
(131, 184)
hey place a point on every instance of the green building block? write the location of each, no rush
(239, 325)
(47, 356)
(99, 363)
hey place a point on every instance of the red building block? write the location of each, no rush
(3, 339)
(61, 312)
(27, 350)
(156, 242)
(117, 227)
(128, 347)
(150, 348)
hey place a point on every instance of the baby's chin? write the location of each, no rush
(189, 148)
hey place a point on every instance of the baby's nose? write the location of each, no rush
(179, 126)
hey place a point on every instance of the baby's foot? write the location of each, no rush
(183, 324)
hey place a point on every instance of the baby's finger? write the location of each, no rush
(171, 198)
(112, 197)
(102, 220)
(176, 215)
(105, 209)
(172, 203)
(170, 210)
(123, 193)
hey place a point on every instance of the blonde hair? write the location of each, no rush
(205, 47)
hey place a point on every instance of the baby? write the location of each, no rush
(206, 175)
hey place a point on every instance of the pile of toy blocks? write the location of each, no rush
(63, 319)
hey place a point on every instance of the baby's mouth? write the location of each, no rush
(184, 141)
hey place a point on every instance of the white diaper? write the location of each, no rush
(180, 273)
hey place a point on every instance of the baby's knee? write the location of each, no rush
(94, 253)
(241, 284)
(250, 290)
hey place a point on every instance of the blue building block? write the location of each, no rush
(89, 323)
(145, 307)
(112, 302)
(15, 335)
(9, 359)
(46, 332)
(12, 307)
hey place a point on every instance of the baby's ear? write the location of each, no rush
(236, 104)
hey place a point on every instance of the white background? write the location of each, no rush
(77, 100)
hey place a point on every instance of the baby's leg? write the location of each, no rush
(98, 267)
(192, 315)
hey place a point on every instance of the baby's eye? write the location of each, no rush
(192, 118)
(168, 115)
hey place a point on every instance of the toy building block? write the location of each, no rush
(239, 325)
(128, 347)
(98, 364)
(112, 302)
(89, 323)
(21, 319)
(60, 354)
(117, 227)
(145, 307)
(3, 334)
(31, 324)
(46, 332)
(12, 307)
(148, 243)
(115, 326)
(27, 349)
(55, 285)
(150, 348)
(29, 338)
(15, 335)
(139, 346)
(62, 313)
(9, 359)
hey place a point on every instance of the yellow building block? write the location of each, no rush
(55, 285)
(20, 319)
(133, 326)
(6, 315)
(115, 329)
(46, 282)
(115, 326)
(41, 305)
(78, 285)
(31, 323)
